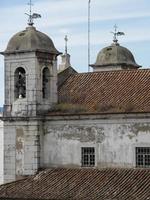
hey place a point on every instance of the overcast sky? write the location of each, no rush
(61, 17)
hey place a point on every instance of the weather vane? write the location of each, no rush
(32, 16)
(116, 34)
(66, 41)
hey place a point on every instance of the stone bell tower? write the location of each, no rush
(30, 73)
(30, 91)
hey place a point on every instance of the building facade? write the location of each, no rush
(99, 119)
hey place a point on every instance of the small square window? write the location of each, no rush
(143, 157)
(88, 156)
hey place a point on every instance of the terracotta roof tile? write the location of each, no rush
(64, 75)
(109, 91)
(102, 184)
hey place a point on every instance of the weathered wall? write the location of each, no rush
(106, 68)
(114, 140)
(56, 141)
(21, 149)
(1, 152)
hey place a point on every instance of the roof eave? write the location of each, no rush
(32, 50)
(116, 64)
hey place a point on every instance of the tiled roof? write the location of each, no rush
(64, 75)
(108, 92)
(77, 184)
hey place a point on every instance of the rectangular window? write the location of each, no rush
(143, 157)
(88, 156)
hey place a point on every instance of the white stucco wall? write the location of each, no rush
(106, 68)
(56, 141)
(1, 152)
(114, 140)
(21, 149)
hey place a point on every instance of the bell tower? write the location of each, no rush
(30, 73)
(30, 91)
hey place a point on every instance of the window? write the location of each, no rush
(143, 157)
(88, 156)
(20, 83)
(46, 83)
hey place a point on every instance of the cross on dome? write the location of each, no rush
(116, 33)
(31, 15)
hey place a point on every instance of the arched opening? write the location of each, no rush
(20, 83)
(46, 83)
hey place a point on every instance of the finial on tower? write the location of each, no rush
(66, 44)
(116, 34)
(32, 16)
(65, 57)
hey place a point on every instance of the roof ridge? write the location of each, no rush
(113, 71)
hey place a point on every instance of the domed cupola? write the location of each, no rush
(115, 57)
(31, 40)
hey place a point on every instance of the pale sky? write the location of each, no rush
(69, 17)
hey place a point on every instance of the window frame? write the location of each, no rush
(88, 157)
(142, 157)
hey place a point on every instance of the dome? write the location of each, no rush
(30, 40)
(115, 55)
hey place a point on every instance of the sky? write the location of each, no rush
(70, 17)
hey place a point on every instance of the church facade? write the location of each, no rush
(99, 119)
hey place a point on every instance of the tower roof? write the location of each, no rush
(31, 40)
(115, 55)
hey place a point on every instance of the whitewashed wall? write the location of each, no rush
(56, 141)
(21, 149)
(114, 139)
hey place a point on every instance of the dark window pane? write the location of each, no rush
(142, 156)
(88, 156)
